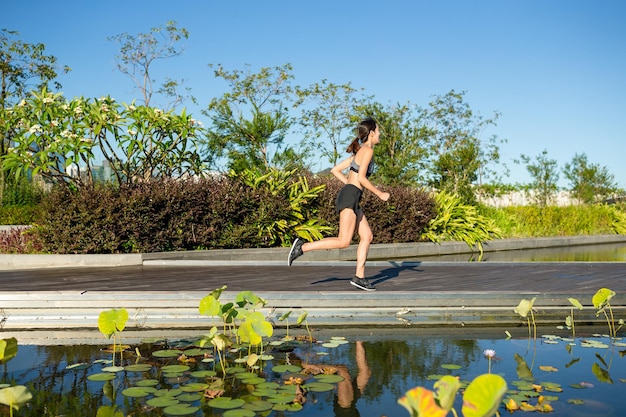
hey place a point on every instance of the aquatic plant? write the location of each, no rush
(569, 320)
(302, 318)
(481, 398)
(601, 302)
(17, 395)
(525, 307)
(111, 323)
(285, 318)
(489, 354)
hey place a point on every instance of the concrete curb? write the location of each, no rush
(278, 255)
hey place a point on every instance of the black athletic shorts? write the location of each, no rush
(348, 197)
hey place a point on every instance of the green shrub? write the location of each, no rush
(237, 212)
(18, 215)
(534, 221)
(460, 222)
(399, 220)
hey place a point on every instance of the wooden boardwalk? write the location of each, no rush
(547, 277)
(412, 293)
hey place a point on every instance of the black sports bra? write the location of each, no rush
(355, 167)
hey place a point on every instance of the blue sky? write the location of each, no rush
(554, 69)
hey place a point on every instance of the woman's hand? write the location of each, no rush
(384, 196)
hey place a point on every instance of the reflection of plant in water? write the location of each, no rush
(523, 309)
(481, 398)
(16, 395)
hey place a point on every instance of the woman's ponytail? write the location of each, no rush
(363, 130)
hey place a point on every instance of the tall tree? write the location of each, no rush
(545, 174)
(402, 146)
(138, 55)
(589, 182)
(458, 156)
(327, 113)
(249, 123)
(23, 66)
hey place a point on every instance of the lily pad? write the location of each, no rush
(226, 403)
(189, 397)
(286, 368)
(104, 376)
(264, 392)
(168, 392)
(139, 367)
(167, 353)
(319, 386)
(77, 366)
(113, 369)
(258, 406)
(147, 383)
(137, 392)
(451, 366)
(240, 412)
(174, 368)
(180, 410)
(330, 379)
(194, 387)
(162, 402)
(203, 374)
(290, 407)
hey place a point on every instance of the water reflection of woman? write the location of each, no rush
(349, 390)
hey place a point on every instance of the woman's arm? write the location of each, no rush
(338, 169)
(366, 158)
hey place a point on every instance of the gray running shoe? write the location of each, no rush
(296, 250)
(362, 283)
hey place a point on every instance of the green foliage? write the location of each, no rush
(481, 398)
(18, 215)
(249, 123)
(523, 308)
(402, 152)
(8, 349)
(461, 222)
(327, 115)
(51, 134)
(535, 221)
(139, 53)
(545, 174)
(601, 301)
(589, 182)
(276, 226)
(402, 219)
(457, 155)
(21, 192)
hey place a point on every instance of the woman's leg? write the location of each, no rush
(365, 239)
(347, 225)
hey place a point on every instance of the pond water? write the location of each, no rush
(609, 252)
(377, 367)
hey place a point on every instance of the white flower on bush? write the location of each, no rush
(47, 100)
(54, 123)
(22, 103)
(132, 132)
(78, 110)
(35, 129)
